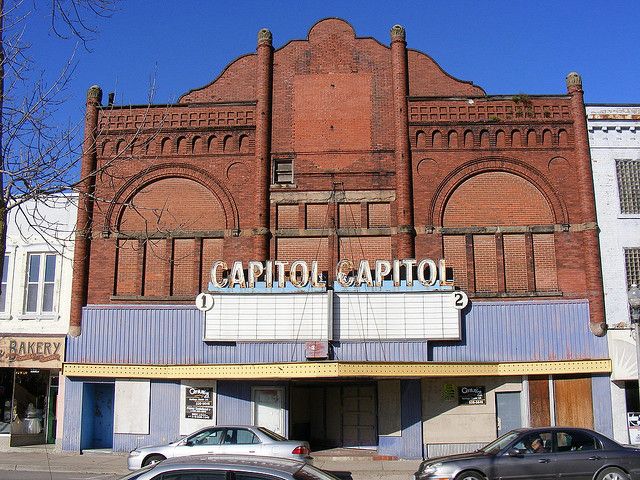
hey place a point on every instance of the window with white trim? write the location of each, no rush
(3, 285)
(628, 172)
(283, 171)
(41, 275)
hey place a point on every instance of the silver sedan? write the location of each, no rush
(223, 440)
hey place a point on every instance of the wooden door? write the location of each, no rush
(573, 401)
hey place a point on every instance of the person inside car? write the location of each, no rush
(537, 446)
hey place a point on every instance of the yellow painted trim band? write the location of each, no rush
(336, 370)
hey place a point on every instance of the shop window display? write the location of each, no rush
(29, 406)
(6, 395)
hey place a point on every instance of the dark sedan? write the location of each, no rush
(540, 453)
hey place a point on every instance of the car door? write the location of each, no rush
(521, 462)
(579, 455)
(240, 441)
(202, 442)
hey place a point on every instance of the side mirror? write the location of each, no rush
(515, 452)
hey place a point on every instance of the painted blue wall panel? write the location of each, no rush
(234, 403)
(492, 332)
(388, 445)
(411, 418)
(602, 409)
(72, 420)
(164, 419)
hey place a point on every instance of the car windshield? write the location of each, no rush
(137, 473)
(499, 443)
(272, 435)
(309, 472)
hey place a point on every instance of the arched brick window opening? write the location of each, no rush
(421, 139)
(453, 139)
(243, 144)
(120, 144)
(546, 138)
(181, 145)
(212, 145)
(516, 138)
(563, 138)
(468, 139)
(500, 139)
(106, 148)
(165, 248)
(436, 139)
(227, 144)
(498, 261)
(165, 145)
(196, 145)
(532, 138)
(484, 139)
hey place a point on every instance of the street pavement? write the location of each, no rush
(111, 465)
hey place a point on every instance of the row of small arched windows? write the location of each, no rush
(180, 145)
(486, 139)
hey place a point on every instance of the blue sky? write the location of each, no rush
(506, 47)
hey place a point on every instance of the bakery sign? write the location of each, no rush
(31, 352)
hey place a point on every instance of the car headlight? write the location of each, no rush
(134, 453)
(432, 468)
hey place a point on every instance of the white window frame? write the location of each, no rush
(39, 313)
(5, 309)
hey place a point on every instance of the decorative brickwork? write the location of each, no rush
(391, 157)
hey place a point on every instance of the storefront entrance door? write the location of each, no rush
(359, 416)
(268, 408)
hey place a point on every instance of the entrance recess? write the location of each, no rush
(331, 415)
(268, 408)
(97, 416)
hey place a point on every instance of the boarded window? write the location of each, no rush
(485, 262)
(350, 215)
(128, 273)
(456, 256)
(379, 215)
(544, 254)
(515, 263)
(287, 216)
(184, 267)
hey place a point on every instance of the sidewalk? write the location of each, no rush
(45, 459)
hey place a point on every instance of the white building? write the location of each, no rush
(614, 136)
(34, 319)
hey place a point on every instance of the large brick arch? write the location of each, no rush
(205, 185)
(457, 178)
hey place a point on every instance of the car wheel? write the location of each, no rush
(612, 474)
(152, 459)
(469, 476)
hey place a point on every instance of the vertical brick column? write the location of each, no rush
(404, 192)
(264, 82)
(589, 225)
(85, 190)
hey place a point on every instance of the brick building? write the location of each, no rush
(326, 152)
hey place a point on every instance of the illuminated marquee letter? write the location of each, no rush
(214, 274)
(304, 274)
(281, 272)
(408, 266)
(433, 272)
(383, 268)
(364, 274)
(255, 270)
(237, 275)
(316, 279)
(345, 279)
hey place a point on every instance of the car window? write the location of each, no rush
(192, 475)
(574, 440)
(535, 443)
(272, 435)
(309, 472)
(254, 476)
(211, 436)
(499, 443)
(245, 437)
